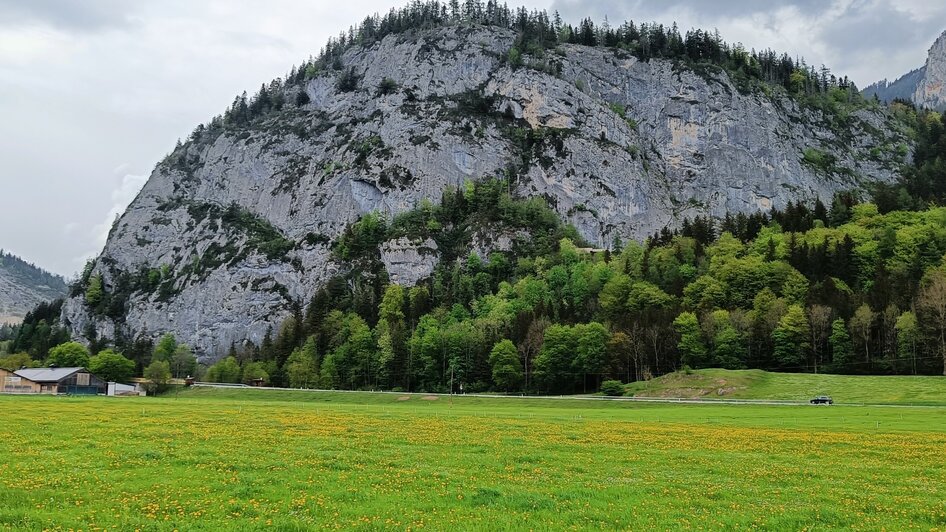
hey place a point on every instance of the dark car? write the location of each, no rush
(822, 400)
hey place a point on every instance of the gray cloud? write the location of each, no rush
(878, 26)
(67, 14)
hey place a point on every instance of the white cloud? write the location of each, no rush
(121, 197)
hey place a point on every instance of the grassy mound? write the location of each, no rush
(757, 384)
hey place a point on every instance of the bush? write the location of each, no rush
(158, 373)
(612, 388)
(387, 86)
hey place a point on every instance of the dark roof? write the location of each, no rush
(47, 374)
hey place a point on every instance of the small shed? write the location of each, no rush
(117, 389)
(72, 381)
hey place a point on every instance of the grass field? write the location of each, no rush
(757, 384)
(247, 459)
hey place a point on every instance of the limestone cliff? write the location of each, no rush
(235, 226)
(931, 90)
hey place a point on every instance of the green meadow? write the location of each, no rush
(758, 384)
(209, 459)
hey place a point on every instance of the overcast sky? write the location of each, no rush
(94, 93)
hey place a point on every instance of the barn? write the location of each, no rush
(73, 381)
(10, 382)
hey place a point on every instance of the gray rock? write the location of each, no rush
(931, 91)
(409, 262)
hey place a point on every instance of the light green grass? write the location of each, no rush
(248, 459)
(757, 384)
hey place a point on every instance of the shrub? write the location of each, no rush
(612, 388)
(348, 81)
(387, 86)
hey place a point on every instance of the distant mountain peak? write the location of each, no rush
(23, 286)
(924, 86)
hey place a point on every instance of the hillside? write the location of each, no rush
(237, 226)
(23, 286)
(757, 384)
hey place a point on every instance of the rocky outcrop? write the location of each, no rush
(237, 225)
(409, 262)
(931, 90)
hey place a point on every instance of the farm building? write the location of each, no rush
(76, 381)
(10, 382)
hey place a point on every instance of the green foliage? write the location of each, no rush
(255, 371)
(514, 57)
(612, 388)
(16, 361)
(183, 362)
(94, 293)
(908, 338)
(302, 366)
(387, 86)
(348, 80)
(693, 351)
(227, 371)
(842, 349)
(111, 366)
(165, 348)
(69, 355)
(507, 369)
(363, 238)
(791, 339)
(157, 374)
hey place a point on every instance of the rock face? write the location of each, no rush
(409, 262)
(931, 91)
(235, 227)
(23, 286)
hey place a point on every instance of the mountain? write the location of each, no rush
(923, 86)
(238, 224)
(903, 88)
(23, 286)
(931, 90)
